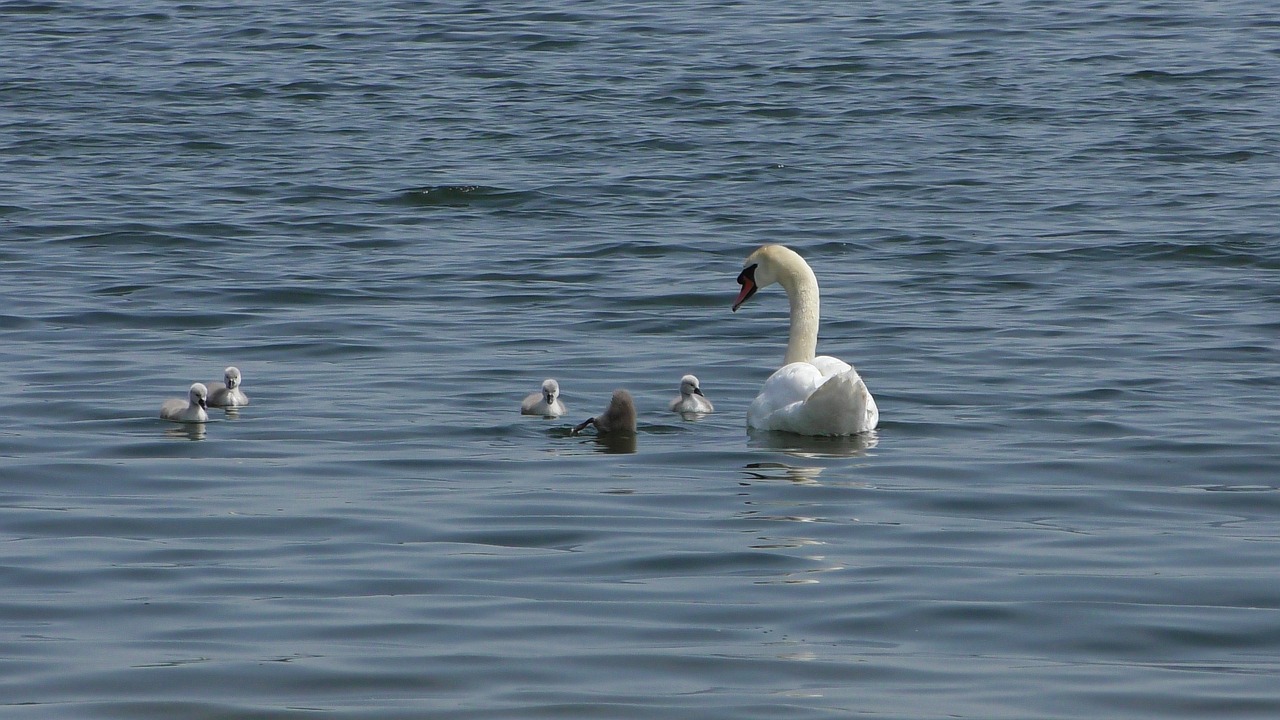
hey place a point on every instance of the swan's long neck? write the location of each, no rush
(802, 291)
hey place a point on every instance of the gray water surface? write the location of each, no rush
(1045, 236)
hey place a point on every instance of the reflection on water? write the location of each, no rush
(186, 431)
(782, 471)
(806, 446)
(616, 444)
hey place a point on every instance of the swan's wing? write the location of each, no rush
(798, 398)
(788, 385)
(829, 366)
(842, 406)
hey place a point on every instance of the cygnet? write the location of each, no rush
(619, 417)
(691, 399)
(228, 394)
(191, 410)
(546, 403)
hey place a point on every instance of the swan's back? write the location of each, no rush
(825, 397)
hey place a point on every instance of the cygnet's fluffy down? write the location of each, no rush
(228, 393)
(546, 403)
(191, 410)
(619, 417)
(691, 399)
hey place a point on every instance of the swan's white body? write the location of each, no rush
(691, 399)
(191, 410)
(808, 395)
(228, 394)
(546, 403)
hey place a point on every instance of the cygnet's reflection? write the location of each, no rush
(616, 444)
(186, 431)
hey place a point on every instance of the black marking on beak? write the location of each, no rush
(747, 279)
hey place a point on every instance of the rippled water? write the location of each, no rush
(1045, 235)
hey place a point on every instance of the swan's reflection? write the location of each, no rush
(782, 471)
(808, 447)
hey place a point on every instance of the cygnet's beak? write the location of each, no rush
(698, 391)
(747, 279)
(204, 403)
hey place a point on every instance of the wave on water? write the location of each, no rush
(464, 196)
(1235, 250)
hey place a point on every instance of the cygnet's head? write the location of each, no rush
(550, 391)
(199, 395)
(689, 386)
(232, 377)
(620, 416)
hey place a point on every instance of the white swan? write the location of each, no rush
(228, 394)
(191, 410)
(691, 399)
(546, 403)
(808, 395)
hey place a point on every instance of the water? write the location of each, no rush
(1046, 237)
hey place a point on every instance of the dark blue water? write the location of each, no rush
(1045, 235)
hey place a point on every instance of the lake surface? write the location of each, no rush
(1046, 236)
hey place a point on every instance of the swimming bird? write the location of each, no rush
(228, 394)
(191, 410)
(619, 417)
(808, 395)
(691, 399)
(546, 403)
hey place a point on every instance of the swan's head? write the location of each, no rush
(689, 386)
(199, 395)
(550, 391)
(232, 377)
(764, 267)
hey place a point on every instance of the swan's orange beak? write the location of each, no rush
(747, 279)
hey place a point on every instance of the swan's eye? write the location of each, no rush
(748, 275)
